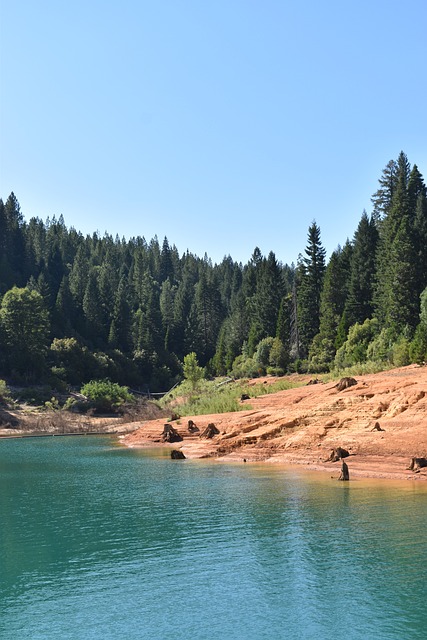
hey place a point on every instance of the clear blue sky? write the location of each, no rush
(223, 124)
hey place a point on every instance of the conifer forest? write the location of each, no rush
(76, 308)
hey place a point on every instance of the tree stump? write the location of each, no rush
(170, 434)
(177, 455)
(345, 383)
(344, 475)
(192, 428)
(210, 431)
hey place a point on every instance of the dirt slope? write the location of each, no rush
(302, 425)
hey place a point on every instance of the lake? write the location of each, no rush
(98, 541)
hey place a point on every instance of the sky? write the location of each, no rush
(223, 125)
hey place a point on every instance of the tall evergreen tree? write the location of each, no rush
(310, 280)
(359, 305)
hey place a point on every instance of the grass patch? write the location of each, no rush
(359, 369)
(218, 396)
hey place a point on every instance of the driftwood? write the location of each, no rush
(337, 454)
(177, 455)
(210, 431)
(192, 427)
(417, 464)
(170, 434)
(345, 383)
(344, 475)
(377, 427)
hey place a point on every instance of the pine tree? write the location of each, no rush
(310, 280)
(397, 258)
(359, 305)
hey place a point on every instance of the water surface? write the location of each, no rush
(97, 541)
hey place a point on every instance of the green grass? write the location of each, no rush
(213, 397)
(359, 369)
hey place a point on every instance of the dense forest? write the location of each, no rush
(76, 308)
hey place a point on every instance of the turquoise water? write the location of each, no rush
(97, 541)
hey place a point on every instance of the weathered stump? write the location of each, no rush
(417, 464)
(192, 428)
(337, 454)
(170, 434)
(210, 431)
(177, 455)
(344, 475)
(345, 383)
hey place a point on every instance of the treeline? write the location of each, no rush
(75, 308)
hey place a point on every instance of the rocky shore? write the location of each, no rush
(380, 420)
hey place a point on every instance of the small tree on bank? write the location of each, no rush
(192, 372)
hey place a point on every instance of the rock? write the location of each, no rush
(177, 455)
(314, 381)
(344, 475)
(244, 396)
(170, 434)
(377, 427)
(210, 431)
(345, 383)
(337, 454)
(417, 464)
(192, 428)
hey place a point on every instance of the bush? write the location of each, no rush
(401, 353)
(106, 396)
(4, 393)
(244, 367)
(354, 349)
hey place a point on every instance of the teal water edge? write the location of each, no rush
(97, 541)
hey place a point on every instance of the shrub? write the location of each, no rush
(262, 353)
(354, 349)
(192, 371)
(106, 396)
(4, 393)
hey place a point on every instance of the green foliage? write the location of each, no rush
(279, 355)
(25, 326)
(216, 397)
(262, 353)
(192, 371)
(244, 367)
(380, 348)
(400, 355)
(418, 346)
(134, 308)
(310, 281)
(354, 349)
(106, 396)
(5, 397)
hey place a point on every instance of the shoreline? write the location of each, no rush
(360, 467)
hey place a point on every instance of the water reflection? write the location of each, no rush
(132, 543)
